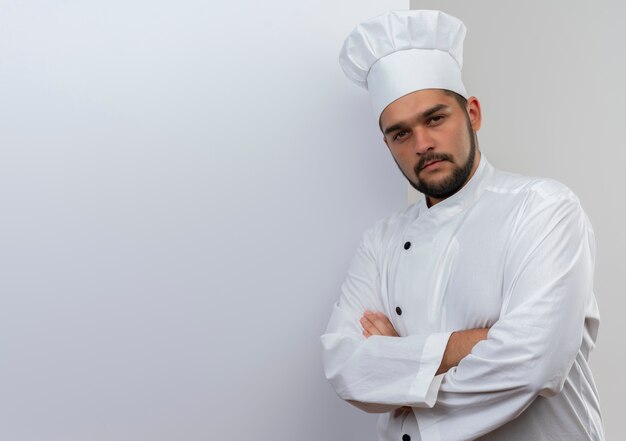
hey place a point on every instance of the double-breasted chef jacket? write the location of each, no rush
(509, 252)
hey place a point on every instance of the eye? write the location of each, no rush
(436, 119)
(400, 135)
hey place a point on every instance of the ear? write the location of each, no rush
(474, 112)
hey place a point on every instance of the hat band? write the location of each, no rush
(410, 70)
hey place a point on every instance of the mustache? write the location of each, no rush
(431, 158)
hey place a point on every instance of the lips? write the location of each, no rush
(431, 163)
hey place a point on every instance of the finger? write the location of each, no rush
(375, 323)
(382, 324)
(366, 334)
(387, 324)
(379, 320)
(368, 326)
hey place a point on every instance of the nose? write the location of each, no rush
(422, 140)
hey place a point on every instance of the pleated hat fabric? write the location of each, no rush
(400, 52)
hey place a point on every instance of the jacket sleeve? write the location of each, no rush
(377, 374)
(531, 348)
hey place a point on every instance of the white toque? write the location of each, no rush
(404, 51)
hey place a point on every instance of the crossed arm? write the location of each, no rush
(528, 353)
(459, 345)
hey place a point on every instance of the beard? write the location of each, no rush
(449, 185)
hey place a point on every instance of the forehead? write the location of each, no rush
(413, 104)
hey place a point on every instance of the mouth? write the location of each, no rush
(432, 164)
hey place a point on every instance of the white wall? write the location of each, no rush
(182, 186)
(550, 78)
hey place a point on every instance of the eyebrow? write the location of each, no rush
(423, 115)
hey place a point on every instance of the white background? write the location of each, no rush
(182, 185)
(550, 77)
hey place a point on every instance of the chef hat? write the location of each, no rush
(404, 51)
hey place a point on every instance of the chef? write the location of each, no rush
(470, 314)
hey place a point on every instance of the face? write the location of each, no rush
(431, 138)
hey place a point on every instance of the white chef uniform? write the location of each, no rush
(506, 251)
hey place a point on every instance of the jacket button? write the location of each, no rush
(406, 437)
(398, 310)
(407, 245)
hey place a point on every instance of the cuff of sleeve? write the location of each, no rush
(425, 388)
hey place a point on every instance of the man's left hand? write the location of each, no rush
(377, 323)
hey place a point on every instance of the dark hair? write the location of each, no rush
(459, 98)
